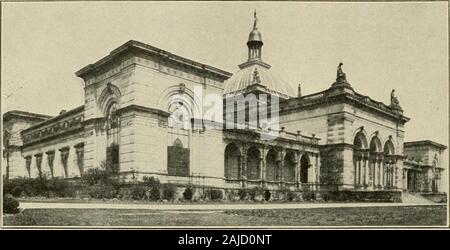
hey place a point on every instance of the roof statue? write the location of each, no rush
(340, 76)
(394, 99)
(256, 79)
(299, 90)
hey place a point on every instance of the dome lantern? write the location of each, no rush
(254, 43)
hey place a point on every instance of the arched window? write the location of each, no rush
(232, 161)
(180, 115)
(388, 164)
(304, 165)
(289, 167)
(375, 148)
(359, 165)
(272, 165)
(253, 159)
(112, 134)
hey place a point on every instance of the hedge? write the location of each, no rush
(10, 205)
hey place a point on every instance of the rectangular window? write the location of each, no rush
(79, 149)
(50, 158)
(28, 165)
(64, 157)
(178, 161)
(39, 163)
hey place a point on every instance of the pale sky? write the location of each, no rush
(383, 46)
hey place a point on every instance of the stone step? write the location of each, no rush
(414, 198)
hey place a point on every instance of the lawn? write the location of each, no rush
(368, 216)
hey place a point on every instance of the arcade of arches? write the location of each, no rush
(261, 163)
(375, 165)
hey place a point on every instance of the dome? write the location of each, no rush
(255, 35)
(246, 77)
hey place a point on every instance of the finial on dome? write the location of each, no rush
(254, 42)
(255, 21)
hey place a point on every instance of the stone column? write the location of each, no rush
(297, 169)
(405, 179)
(371, 169)
(380, 171)
(243, 169)
(394, 174)
(260, 167)
(354, 170)
(281, 171)
(318, 169)
(359, 170)
(366, 168)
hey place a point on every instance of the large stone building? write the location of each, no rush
(138, 118)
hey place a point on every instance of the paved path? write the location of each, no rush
(216, 206)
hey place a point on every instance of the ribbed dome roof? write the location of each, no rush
(255, 35)
(246, 77)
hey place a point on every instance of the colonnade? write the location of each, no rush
(375, 171)
(255, 163)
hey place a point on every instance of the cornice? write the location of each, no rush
(132, 45)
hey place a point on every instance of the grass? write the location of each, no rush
(366, 216)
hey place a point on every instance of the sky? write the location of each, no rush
(384, 46)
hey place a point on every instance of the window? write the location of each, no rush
(112, 133)
(50, 158)
(79, 149)
(39, 163)
(28, 165)
(64, 157)
(177, 159)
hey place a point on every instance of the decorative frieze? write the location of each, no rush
(54, 127)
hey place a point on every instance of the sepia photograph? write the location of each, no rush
(186, 114)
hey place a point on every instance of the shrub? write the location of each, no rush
(308, 195)
(39, 187)
(153, 194)
(10, 205)
(94, 176)
(255, 192)
(345, 196)
(101, 191)
(188, 193)
(168, 191)
(154, 188)
(61, 188)
(267, 195)
(242, 193)
(215, 194)
(151, 182)
(138, 192)
(102, 175)
(289, 195)
(15, 187)
(232, 194)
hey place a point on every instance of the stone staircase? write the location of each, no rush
(414, 198)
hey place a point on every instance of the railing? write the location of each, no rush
(300, 137)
